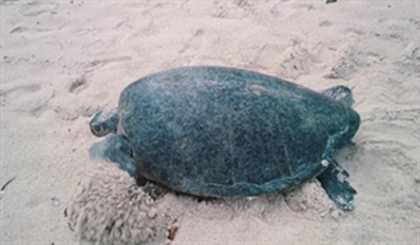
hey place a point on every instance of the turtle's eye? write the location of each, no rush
(97, 128)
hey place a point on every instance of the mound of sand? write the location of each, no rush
(109, 208)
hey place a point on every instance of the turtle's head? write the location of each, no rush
(104, 122)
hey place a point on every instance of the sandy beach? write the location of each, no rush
(62, 61)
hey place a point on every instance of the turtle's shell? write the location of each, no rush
(216, 131)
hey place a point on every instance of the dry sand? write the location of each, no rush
(62, 60)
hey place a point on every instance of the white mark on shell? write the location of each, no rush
(257, 89)
(324, 163)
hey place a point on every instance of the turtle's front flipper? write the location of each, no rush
(115, 149)
(340, 93)
(333, 180)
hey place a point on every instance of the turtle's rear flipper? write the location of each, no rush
(340, 93)
(333, 180)
(115, 149)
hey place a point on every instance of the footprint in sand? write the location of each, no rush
(345, 67)
(288, 61)
(72, 114)
(325, 23)
(73, 104)
(35, 9)
(19, 29)
(78, 85)
(27, 98)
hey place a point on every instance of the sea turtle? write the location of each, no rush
(227, 132)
